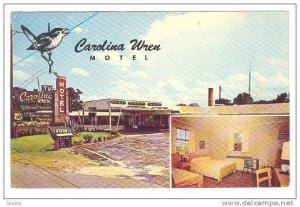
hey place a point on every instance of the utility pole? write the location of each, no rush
(109, 110)
(83, 115)
(38, 82)
(249, 91)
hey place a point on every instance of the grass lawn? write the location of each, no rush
(37, 149)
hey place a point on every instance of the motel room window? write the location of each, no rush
(154, 104)
(182, 134)
(182, 139)
(118, 102)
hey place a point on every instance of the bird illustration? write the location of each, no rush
(45, 42)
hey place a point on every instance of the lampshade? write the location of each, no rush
(285, 154)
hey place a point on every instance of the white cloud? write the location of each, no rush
(176, 85)
(18, 74)
(192, 32)
(191, 43)
(78, 30)
(90, 98)
(198, 51)
(27, 62)
(139, 74)
(119, 61)
(123, 89)
(79, 71)
(184, 40)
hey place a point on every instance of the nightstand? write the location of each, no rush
(184, 165)
(278, 179)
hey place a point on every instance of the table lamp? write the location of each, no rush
(182, 153)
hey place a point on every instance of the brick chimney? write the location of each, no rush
(210, 97)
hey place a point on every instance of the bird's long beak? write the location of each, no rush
(66, 31)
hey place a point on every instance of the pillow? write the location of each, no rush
(201, 159)
(194, 155)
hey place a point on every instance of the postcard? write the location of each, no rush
(150, 100)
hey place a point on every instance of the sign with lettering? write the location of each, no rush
(33, 97)
(61, 94)
(62, 136)
(54, 131)
(47, 88)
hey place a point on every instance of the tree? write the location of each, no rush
(262, 102)
(282, 98)
(194, 105)
(223, 101)
(243, 98)
(181, 104)
(75, 103)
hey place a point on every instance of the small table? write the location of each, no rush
(184, 165)
(186, 179)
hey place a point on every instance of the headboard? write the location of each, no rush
(193, 155)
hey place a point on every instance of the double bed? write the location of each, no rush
(212, 168)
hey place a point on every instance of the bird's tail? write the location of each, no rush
(28, 34)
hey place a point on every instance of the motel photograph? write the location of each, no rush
(209, 107)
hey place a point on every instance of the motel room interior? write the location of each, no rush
(230, 151)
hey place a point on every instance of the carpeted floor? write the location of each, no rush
(234, 180)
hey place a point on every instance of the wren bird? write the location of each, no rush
(45, 42)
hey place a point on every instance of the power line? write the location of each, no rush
(25, 57)
(84, 20)
(70, 30)
(32, 77)
(12, 21)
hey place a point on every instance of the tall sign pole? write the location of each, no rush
(249, 91)
(49, 53)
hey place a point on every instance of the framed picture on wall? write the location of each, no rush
(202, 144)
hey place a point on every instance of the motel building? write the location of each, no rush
(35, 110)
(119, 114)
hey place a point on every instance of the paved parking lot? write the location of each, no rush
(140, 157)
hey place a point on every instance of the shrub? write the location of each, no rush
(99, 139)
(22, 132)
(87, 138)
(75, 143)
(114, 133)
(27, 132)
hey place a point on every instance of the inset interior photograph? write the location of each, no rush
(230, 151)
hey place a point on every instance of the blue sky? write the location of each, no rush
(198, 50)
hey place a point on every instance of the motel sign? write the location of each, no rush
(61, 92)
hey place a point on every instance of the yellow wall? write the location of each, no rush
(261, 131)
